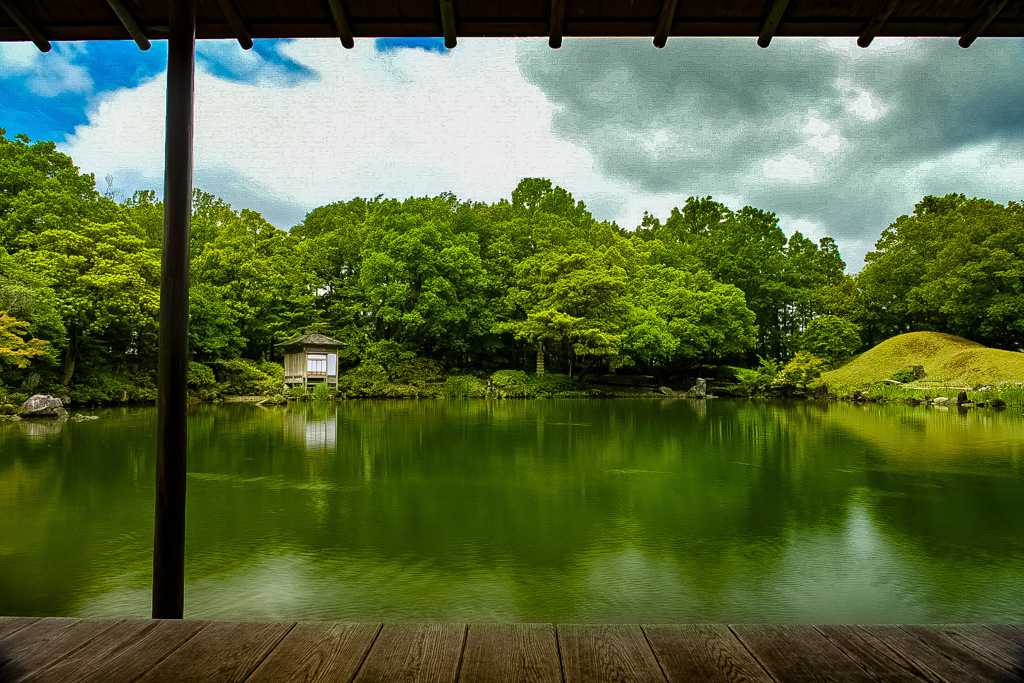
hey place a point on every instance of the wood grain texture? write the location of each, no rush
(513, 653)
(105, 646)
(799, 653)
(142, 653)
(967, 654)
(11, 625)
(318, 652)
(40, 644)
(607, 653)
(706, 652)
(223, 652)
(923, 656)
(872, 654)
(1002, 650)
(414, 652)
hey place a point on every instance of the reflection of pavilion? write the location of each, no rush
(315, 432)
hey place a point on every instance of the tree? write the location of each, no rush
(830, 338)
(803, 369)
(15, 348)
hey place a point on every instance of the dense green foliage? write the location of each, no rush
(431, 287)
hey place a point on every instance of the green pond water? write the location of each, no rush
(555, 511)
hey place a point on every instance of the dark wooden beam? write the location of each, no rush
(26, 26)
(129, 23)
(668, 13)
(877, 22)
(772, 22)
(230, 12)
(557, 24)
(981, 23)
(448, 22)
(341, 24)
(172, 361)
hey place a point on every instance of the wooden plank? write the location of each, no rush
(979, 25)
(526, 653)
(964, 652)
(1003, 649)
(318, 652)
(11, 625)
(73, 666)
(912, 649)
(706, 652)
(139, 655)
(223, 652)
(607, 653)
(798, 653)
(874, 657)
(1009, 632)
(414, 652)
(40, 644)
(26, 25)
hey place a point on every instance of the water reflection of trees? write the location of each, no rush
(538, 490)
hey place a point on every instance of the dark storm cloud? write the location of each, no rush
(811, 129)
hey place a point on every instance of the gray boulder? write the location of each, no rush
(698, 390)
(666, 391)
(43, 406)
(940, 401)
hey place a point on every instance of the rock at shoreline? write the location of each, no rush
(997, 403)
(666, 391)
(43, 406)
(698, 390)
(941, 401)
(961, 398)
(912, 401)
(821, 392)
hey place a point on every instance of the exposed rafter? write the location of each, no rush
(448, 22)
(772, 22)
(981, 23)
(668, 13)
(341, 24)
(876, 23)
(557, 23)
(129, 23)
(26, 26)
(238, 27)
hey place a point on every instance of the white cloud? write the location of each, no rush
(789, 168)
(50, 76)
(401, 123)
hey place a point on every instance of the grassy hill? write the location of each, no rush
(945, 359)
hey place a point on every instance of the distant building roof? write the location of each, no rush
(312, 339)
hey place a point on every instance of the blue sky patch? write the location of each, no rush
(395, 44)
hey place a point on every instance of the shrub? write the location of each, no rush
(553, 384)
(200, 376)
(904, 376)
(104, 385)
(322, 392)
(463, 386)
(513, 384)
(241, 377)
(802, 370)
(755, 380)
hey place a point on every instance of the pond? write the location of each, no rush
(534, 510)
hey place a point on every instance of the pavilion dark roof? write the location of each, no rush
(99, 19)
(312, 339)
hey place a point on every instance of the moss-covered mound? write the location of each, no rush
(945, 359)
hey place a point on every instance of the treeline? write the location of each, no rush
(475, 287)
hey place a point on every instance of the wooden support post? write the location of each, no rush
(129, 23)
(341, 24)
(172, 370)
(981, 23)
(557, 23)
(876, 23)
(668, 13)
(26, 26)
(772, 22)
(448, 22)
(230, 12)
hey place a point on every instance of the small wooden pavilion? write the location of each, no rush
(181, 22)
(310, 359)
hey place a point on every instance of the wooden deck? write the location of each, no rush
(60, 649)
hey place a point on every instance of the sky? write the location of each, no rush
(836, 140)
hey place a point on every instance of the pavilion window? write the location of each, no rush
(316, 363)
